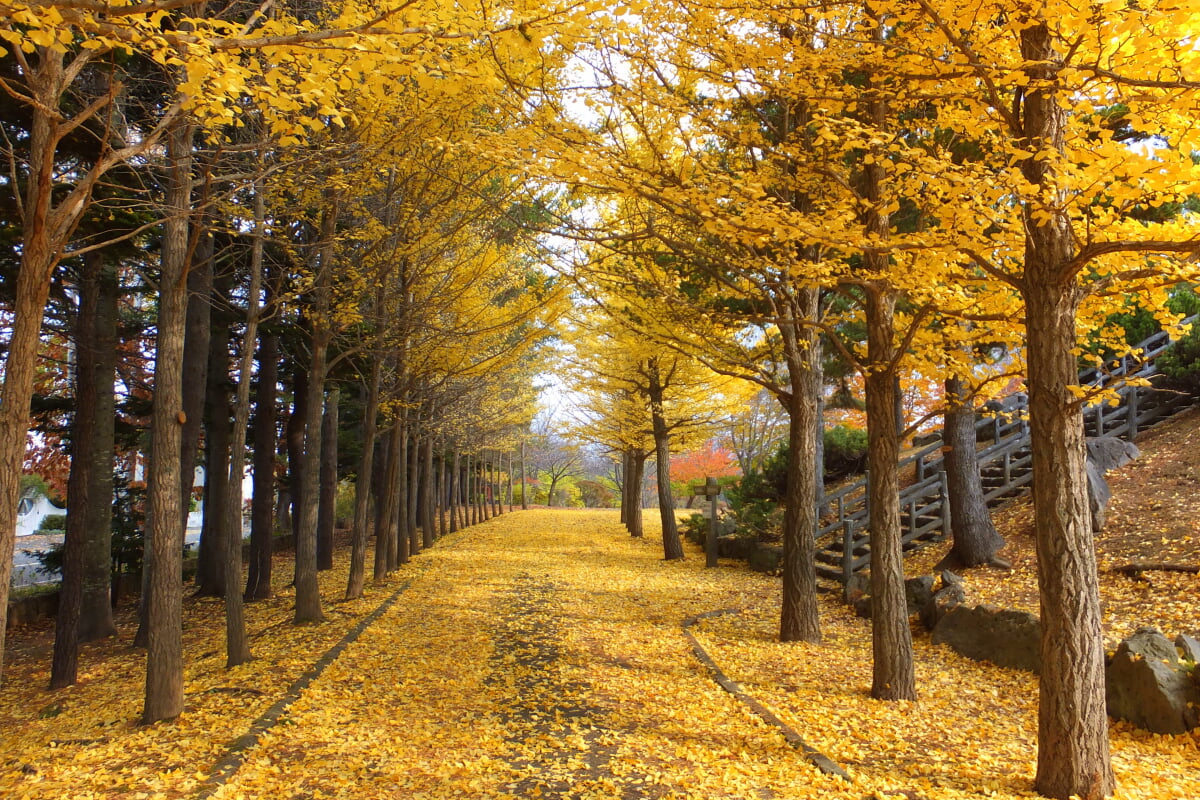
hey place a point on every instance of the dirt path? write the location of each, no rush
(514, 666)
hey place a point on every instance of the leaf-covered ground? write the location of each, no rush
(541, 655)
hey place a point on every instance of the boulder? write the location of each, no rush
(1110, 452)
(765, 557)
(950, 596)
(1004, 637)
(1104, 453)
(1148, 685)
(917, 592)
(923, 439)
(736, 546)
(1188, 647)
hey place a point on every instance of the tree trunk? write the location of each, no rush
(452, 502)
(196, 357)
(524, 482)
(262, 504)
(40, 252)
(413, 490)
(63, 667)
(237, 645)
(441, 492)
(672, 546)
(362, 487)
(975, 538)
(891, 639)
(637, 475)
(427, 492)
(164, 656)
(96, 610)
(1073, 748)
(494, 472)
(406, 497)
(799, 620)
(385, 520)
(510, 482)
(326, 509)
(210, 565)
(308, 593)
(294, 439)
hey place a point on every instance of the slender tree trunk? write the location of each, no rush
(210, 565)
(96, 610)
(975, 537)
(262, 504)
(494, 474)
(64, 664)
(196, 358)
(455, 489)
(326, 509)
(891, 639)
(398, 487)
(1073, 748)
(637, 476)
(443, 500)
(413, 489)
(308, 593)
(237, 645)
(164, 656)
(294, 439)
(511, 499)
(672, 546)
(427, 492)
(524, 481)
(403, 489)
(625, 484)
(385, 520)
(362, 486)
(799, 620)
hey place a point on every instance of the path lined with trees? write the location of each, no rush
(542, 654)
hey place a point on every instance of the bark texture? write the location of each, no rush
(672, 546)
(893, 676)
(164, 604)
(362, 487)
(799, 620)
(976, 540)
(1073, 749)
(96, 610)
(326, 510)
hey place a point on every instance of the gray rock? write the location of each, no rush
(917, 592)
(1149, 686)
(1189, 647)
(1004, 637)
(923, 439)
(1104, 453)
(861, 603)
(1150, 643)
(1110, 452)
(951, 579)
(765, 557)
(735, 546)
(859, 583)
(948, 597)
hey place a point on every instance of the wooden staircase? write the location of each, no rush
(1005, 462)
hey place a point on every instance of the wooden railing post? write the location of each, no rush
(945, 492)
(847, 552)
(1131, 429)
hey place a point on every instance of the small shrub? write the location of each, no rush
(53, 523)
(845, 451)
